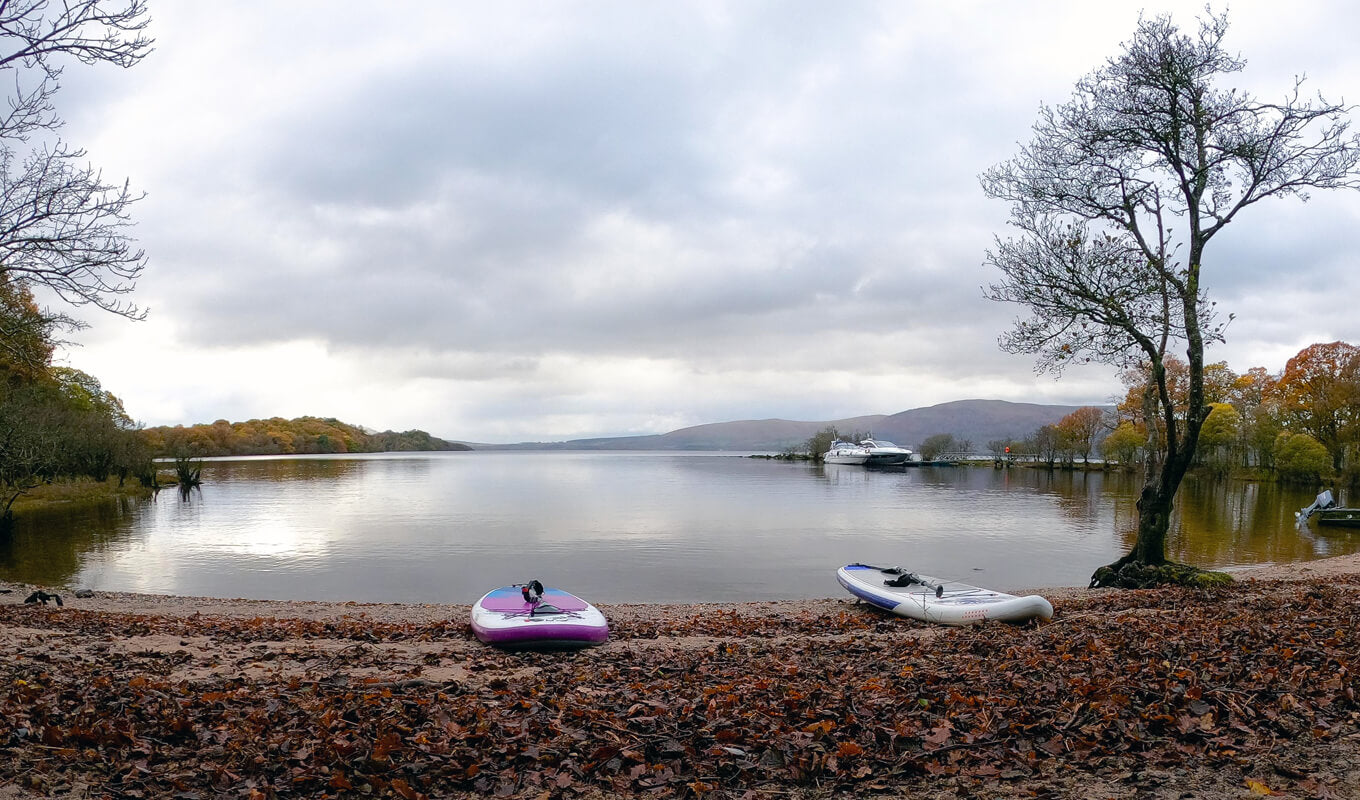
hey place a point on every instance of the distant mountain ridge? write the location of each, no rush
(978, 421)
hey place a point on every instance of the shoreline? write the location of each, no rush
(175, 606)
(1218, 694)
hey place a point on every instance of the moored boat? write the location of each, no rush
(883, 453)
(845, 453)
(1325, 510)
(1344, 517)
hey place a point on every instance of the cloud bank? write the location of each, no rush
(545, 221)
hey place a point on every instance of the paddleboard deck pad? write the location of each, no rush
(929, 599)
(554, 620)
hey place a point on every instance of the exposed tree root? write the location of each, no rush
(1128, 574)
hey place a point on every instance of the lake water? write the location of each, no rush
(628, 527)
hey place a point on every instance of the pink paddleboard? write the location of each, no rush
(558, 619)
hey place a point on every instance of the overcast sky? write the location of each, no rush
(520, 221)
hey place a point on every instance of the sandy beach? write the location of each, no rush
(1165, 693)
(174, 606)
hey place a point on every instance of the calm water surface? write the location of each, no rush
(628, 527)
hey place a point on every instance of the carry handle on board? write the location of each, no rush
(533, 594)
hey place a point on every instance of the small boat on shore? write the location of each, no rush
(528, 616)
(845, 453)
(928, 599)
(1325, 510)
(1343, 517)
(883, 453)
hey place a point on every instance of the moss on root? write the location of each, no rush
(1134, 575)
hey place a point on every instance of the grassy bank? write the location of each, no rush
(80, 491)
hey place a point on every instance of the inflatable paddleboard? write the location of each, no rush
(530, 616)
(928, 599)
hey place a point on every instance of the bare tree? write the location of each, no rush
(932, 447)
(1044, 442)
(1117, 197)
(61, 224)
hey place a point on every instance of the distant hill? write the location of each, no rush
(978, 421)
(278, 436)
(755, 434)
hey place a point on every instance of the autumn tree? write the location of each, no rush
(1253, 395)
(1123, 443)
(1141, 403)
(1319, 394)
(63, 424)
(1081, 430)
(284, 436)
(27, 333)
(1219, 435)
(29, 448)
(1299, 458)
(1219, 380)
(1116, 199)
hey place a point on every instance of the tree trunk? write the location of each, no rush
(1154, 519)
(1159, 492)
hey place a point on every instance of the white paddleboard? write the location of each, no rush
(929, 599)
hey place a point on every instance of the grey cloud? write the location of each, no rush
(474, 195)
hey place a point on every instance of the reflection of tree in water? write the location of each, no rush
(1221, 522)
(49, 546)
(1080, 494)
(287, 469)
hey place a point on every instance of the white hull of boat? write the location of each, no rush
(885, 454)
(845, 459)
(845, 453)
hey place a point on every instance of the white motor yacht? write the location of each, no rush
(883, 453)
(845, 453)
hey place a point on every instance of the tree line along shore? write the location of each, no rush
(1299, 425)
(63, 438)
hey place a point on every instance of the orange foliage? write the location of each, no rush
(1319, 394)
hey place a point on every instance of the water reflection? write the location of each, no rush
(625, 527)
(1236, 523)
(287, 468)
(51, 546)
